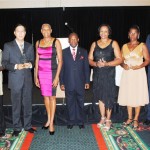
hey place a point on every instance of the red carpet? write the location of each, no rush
(99, 138)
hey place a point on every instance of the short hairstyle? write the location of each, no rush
(108, 26)
(136, 27)
(46, 24)
(73, 33)
(19, 24)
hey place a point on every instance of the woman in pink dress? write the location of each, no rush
(47, 71)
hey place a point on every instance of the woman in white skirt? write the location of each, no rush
(133, 91)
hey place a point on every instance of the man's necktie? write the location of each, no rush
(22, 48)
(74, 54)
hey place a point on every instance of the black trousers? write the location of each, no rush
(22, 101)
(75, 106)
(2, 119)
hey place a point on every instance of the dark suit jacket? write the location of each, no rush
(75, 74)
(11, 56)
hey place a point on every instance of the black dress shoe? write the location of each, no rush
(146, 122)
(69, 126)
(51, 132)
(16, 133)
(31, 130)
(45, 128)
(2, 134)
(81, 126)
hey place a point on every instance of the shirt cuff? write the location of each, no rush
(15, 66)
(30, 66)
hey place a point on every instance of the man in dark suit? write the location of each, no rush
(74, 79)
(18, 59)
(147, 121)
(2, 119)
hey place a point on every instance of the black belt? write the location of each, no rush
(45, 58)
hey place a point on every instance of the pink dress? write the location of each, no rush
(47, 68)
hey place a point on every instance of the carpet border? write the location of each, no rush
(19, 141)
(99, 138)
(141, 143)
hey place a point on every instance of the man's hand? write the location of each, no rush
(87, 86)
(27, 65)
(62, 87)
(20, 66)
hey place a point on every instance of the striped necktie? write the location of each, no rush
(73, 54)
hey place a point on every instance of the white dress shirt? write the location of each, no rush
(21, 47)
(71, 48)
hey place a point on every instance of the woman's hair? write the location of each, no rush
(108, 26)
(136, 27)
(19, 24)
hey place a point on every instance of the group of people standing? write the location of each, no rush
(70, 67)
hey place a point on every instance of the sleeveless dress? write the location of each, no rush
(47, 68)
(133, 85)
(104, 88)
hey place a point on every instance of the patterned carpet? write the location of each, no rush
(90, 138)
(120, 138)
(64, 139)
(12, 143)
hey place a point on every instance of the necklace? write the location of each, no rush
(104, 42)
(47, 43)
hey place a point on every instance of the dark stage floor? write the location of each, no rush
(91, 110)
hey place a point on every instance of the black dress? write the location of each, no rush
(104, 87)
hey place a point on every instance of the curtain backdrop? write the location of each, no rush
(84, 20)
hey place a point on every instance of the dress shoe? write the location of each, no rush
(2, 134)
(45, 128)
(81, 126)
(128, 122)
(51, 132)
(146, 122)
(69, 126)
(31, 130)
(135, 124)
(16, 133)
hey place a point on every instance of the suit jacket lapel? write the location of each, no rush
(70, 54)
(25, 47)
(78, 54)
(17, 49)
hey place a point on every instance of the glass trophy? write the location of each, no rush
(24, 58)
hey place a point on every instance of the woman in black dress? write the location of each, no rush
(104, 55)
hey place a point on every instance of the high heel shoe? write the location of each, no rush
(107, 126)
(130, 121)
(102, 122)
(135, 127)
(45, 128)
(51, 132)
